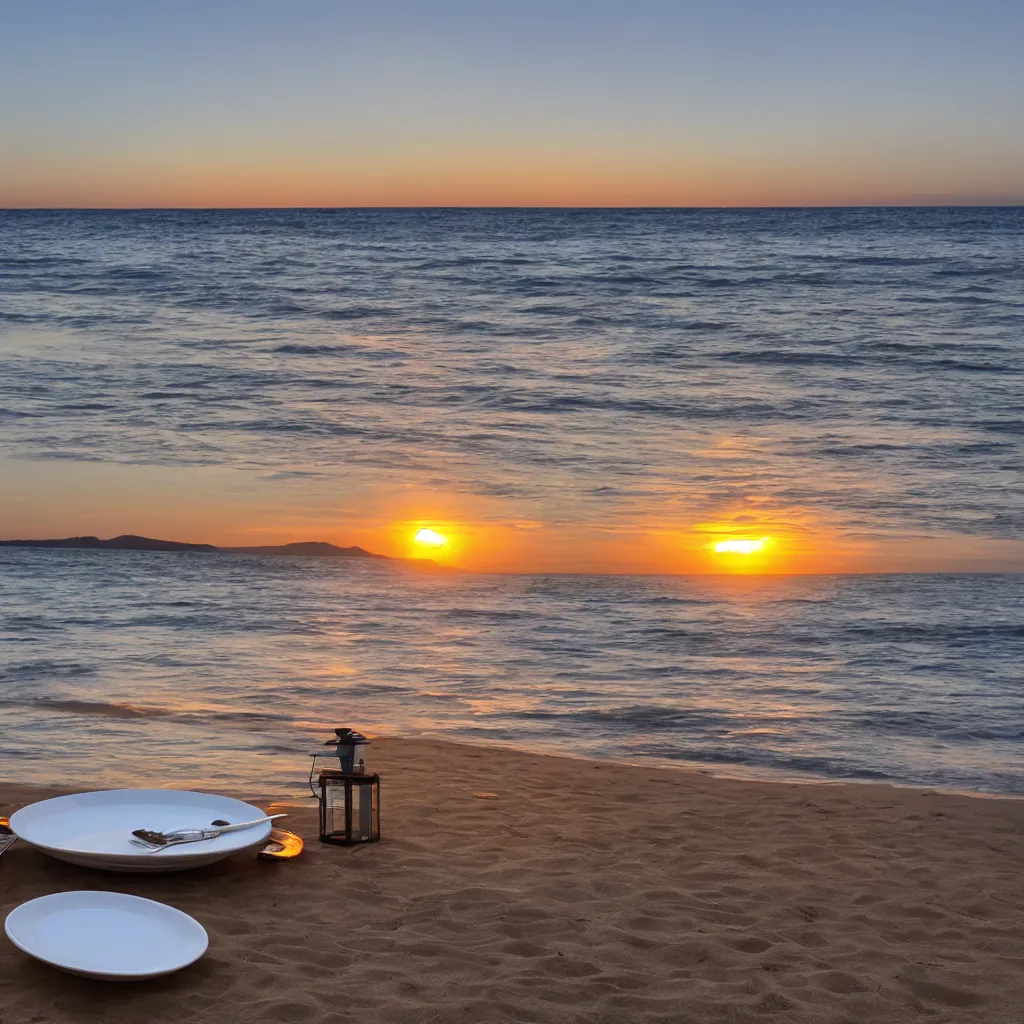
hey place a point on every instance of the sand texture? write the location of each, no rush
(511, 887)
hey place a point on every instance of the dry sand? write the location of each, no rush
(511, 887)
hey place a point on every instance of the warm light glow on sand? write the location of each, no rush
(741, 546)
(430, 538)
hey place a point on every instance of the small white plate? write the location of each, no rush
(95, 829)
(107, 935)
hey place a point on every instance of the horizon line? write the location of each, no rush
(189, 548)
(966, 204)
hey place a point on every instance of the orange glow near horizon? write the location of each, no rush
(478, 546)
(746, 555)
(430, 538)
(742, 546)
(152, 502)
(440, 540)
(497, 175)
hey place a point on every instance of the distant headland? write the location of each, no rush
(130, 542)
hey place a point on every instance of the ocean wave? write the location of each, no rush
(940, 727)
(101, 709)
(776, 762)
(910, 678)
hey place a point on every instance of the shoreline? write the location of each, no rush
(707, 769)
(511, 886)
(759, 776)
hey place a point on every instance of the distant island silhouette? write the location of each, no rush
(130, 542)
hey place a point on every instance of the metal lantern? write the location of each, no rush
(349, 746)
(349, 807)
(349, 796)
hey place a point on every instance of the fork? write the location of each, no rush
(153, 841)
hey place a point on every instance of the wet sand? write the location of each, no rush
(513, 887)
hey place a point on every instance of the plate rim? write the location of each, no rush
(131, 858)
(85, 971)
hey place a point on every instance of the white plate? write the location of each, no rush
(95, 829)
(106, 935)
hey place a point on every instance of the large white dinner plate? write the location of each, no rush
(95, 829)
(106, 935)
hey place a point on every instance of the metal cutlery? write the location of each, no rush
(153, 841)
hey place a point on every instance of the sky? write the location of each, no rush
(116, 103)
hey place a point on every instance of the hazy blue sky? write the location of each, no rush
(224, 102)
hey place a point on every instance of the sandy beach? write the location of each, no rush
(514, 887)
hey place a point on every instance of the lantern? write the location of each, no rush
(349, 746)
(349, 807)
(349, 796)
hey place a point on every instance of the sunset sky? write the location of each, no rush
(117, 103)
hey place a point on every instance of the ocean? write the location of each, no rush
(603, 368)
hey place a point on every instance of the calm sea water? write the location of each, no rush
(226, 669)
(864, 368)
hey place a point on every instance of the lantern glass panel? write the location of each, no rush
(365, 812)
(349, 807)
(334, 808)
